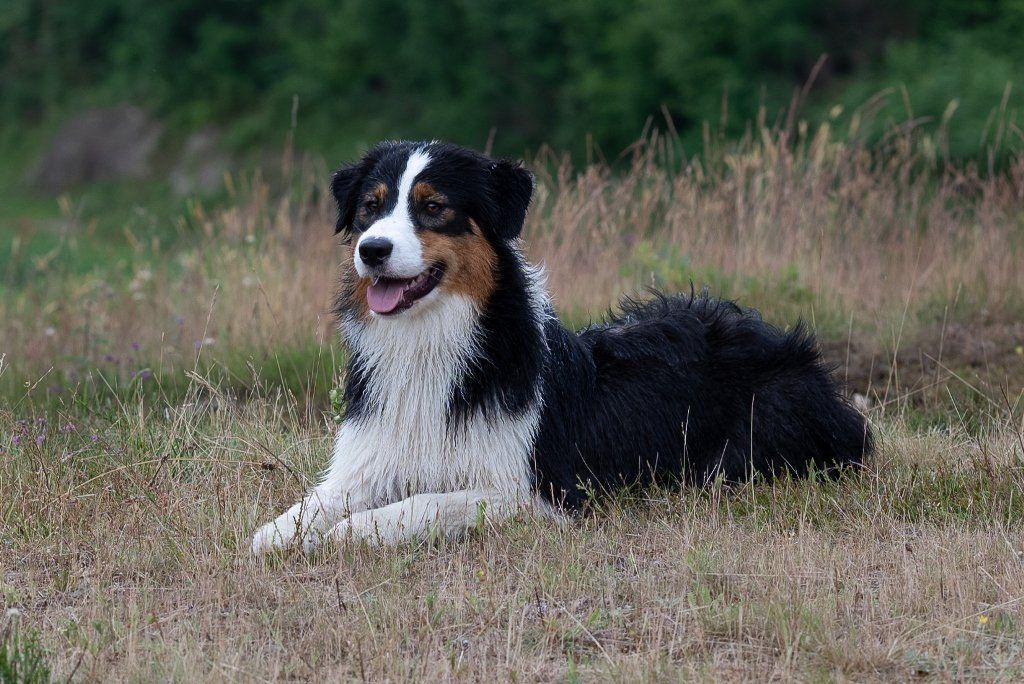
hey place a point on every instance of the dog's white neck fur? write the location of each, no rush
(403, 442)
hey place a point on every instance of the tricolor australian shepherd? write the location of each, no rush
(466, 398)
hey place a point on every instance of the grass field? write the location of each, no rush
(163, 390)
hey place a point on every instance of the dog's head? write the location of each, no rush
(424, 220)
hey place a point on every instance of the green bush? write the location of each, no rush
(533, 71)
(959, 89)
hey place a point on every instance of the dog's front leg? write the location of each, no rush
(341, 492)
(418, 516)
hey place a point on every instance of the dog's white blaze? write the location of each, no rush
(406, 259)
(400, 469)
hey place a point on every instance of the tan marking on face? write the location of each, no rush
(378, 192)
(423, 192)
(469, 259)
(353, 288)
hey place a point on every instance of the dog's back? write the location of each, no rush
(688, 387)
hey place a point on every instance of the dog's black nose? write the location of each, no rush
(375, 251)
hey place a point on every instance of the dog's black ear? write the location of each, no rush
(345, 186)
(511, 187)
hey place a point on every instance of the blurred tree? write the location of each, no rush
(532, 71)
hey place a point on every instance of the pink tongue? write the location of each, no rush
(384, 296)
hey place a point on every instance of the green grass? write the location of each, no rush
(96, 228)
(22, 659)
(99, 229)
(305, 375)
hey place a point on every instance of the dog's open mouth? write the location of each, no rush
(387, 296)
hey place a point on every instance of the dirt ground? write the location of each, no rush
(983, 359)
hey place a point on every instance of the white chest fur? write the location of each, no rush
(401, 467)
(403, 442)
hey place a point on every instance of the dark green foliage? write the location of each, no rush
(534, 72)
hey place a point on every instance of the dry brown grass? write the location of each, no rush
(128, 555)
(124, 518)
(862, 243)
(862, 233)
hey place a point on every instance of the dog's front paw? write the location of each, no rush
(267, 539)
(278, 534)
(311, 541)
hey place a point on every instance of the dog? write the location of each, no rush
(466, 400)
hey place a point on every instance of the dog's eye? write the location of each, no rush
(433, 208)
(371, 205)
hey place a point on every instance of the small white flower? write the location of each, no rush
(12, 613)
(50, 332)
